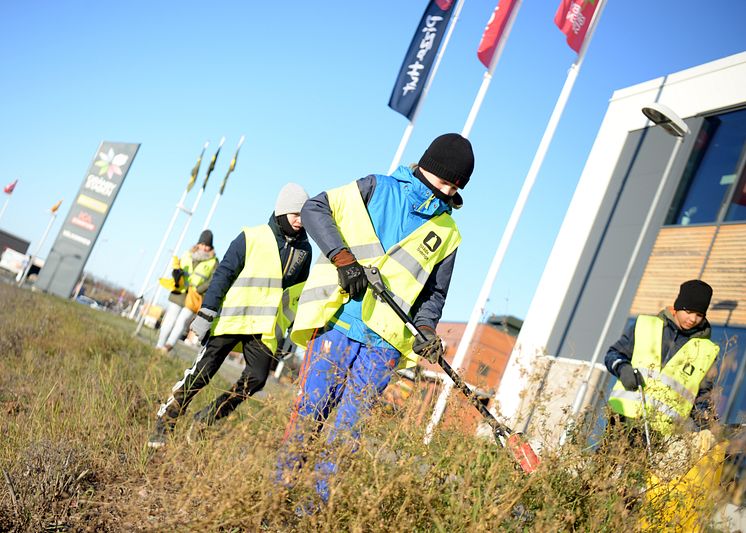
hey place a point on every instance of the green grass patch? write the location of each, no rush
(78, 397)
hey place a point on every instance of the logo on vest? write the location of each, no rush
(688, 369)
(429, 244)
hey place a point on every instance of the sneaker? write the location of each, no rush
(159, 438)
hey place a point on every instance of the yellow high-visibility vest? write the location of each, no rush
(196, 276)
(404, 268)
(285, 316)
(670, 391)
(251, 305)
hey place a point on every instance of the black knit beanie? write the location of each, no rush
(451, 158)
(694, 295)
(205, 238)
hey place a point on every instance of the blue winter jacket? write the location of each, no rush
(397, 205)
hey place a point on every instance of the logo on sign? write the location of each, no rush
(75, 237)
(83, 220)
(110, 163)
(99, 185)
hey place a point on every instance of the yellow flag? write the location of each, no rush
(55, 207)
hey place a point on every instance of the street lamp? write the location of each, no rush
(663, 116)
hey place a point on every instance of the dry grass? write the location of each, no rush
(77, 402)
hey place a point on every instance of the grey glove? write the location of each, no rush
(430, 347)
(202, 323)
(630, 377)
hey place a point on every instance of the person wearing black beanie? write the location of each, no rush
(446, 166)
(401, 223)
(191, 277)
(672, 357)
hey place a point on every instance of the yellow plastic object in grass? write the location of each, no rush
(685, 503)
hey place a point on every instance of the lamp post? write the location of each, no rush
(662, 116)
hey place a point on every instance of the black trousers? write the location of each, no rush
(209, 359)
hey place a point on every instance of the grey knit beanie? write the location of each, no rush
(290, 200)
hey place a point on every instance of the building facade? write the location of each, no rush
(649, 212)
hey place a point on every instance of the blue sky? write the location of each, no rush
(308, 84)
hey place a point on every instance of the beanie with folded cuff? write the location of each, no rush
(290, 200)
(694, 295)
(450, 157)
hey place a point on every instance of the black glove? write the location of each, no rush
(430, 347)
(351, 274)
(630, 377)
(177, 274)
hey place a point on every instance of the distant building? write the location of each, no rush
(14, 242)
(482, 370)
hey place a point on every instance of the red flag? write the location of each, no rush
(573, 18)
(494, 31)
(9, 188)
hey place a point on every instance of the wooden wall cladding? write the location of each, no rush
(679, 254)
(726, 272)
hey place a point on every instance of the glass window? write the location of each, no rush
(716, 160)
(737, 208)
(731, 402)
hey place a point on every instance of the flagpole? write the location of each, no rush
(9, 191)
(177, 247)
(487, 79)
(512, 373)
(179, 207)
(222, 185)
(5, 206)
(26, 270)
(408, 130)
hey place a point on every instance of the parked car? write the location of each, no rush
(86, 300)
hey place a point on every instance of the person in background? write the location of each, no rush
(251, 301)
(194, 272)
(672, 357)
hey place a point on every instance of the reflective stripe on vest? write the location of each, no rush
(405, 269)
(670, 391)
(251, 304)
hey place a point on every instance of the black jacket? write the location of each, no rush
(673, 340)
(295, 258)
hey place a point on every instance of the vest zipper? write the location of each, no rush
(289, 260)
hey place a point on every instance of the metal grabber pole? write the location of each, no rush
(514, 442)
(645, 417)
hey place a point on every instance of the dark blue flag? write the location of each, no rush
(420, 57)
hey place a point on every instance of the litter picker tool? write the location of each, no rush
(645, 417)
(514, 442)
